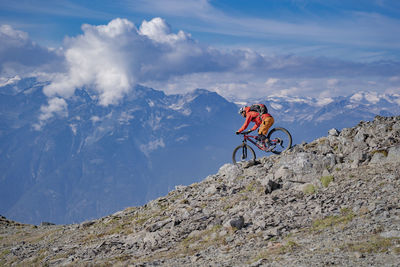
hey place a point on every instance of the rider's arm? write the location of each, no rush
(246, 123)
(254, 127)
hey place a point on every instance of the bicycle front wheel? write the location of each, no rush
(280, 140)
(243, 153)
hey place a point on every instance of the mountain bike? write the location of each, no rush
(279, 140)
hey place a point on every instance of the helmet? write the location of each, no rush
(242, 110)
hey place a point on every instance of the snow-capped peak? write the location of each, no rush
(9, 81)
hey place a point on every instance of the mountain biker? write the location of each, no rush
(264, 121)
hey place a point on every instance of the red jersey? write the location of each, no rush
(252, 116)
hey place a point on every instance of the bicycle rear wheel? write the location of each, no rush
(243, 153)
(280, 140)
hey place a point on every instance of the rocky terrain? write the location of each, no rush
(334, 201)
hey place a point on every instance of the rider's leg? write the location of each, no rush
(264, 127)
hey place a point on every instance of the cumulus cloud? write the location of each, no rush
(55, 105)
(158, 31)
(19, 55)
(99, 59)
(109, 60)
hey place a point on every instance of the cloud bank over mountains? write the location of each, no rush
(109, 60)
(19, 55)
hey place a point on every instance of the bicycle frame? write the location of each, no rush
(279, 140)
(265, 147)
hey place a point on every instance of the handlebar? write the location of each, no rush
(246, 132)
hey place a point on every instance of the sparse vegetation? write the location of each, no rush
(253, 186)
(276, 249)
(381, 151)
(38, 260)
(309, 189)
(202, 239)
(345, 217)
(240, 177)
(290, 246)
(373, 244)
(4, 253)
(326, 180)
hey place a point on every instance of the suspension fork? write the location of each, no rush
(244, 149)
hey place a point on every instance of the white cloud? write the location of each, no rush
(158, 30)
(56, 106)
(14, 37)
(21, 56)
(109, 60)
(98, 60)
(271, 82)
(332, 82)
(151, 146)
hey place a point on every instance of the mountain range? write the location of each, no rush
(96, 160)
(331, 202)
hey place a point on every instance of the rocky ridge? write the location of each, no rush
(334, 201)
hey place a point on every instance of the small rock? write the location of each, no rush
(359, 255)
(47, 224)
(211, 190)
(394, 154)
(87, 224)
(230, 171)
(271, 186)
(333, 132)
(229, 239)
(195, 258)
(237, 223)
(273, 231)
(260, 262)
(391, 234)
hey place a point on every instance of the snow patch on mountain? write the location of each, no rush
(73, 128)
(9, 81)
(95, 119)
(180, 107)
(324, 101)
(125, 118)
(276, 106)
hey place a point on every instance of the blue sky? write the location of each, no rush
(361, 30)
(319, 48)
